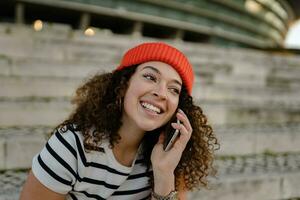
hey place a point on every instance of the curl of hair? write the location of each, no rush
(196, 162)
(97, 115)
(98, 108)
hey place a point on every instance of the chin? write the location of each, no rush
(148, 127)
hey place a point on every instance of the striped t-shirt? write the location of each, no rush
(64, 167)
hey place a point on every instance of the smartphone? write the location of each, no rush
(171, 134)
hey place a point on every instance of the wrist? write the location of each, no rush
(162, 170)
(173, 195)
(163, 183)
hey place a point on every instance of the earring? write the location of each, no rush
(119, 104)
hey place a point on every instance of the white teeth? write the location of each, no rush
(151, 107)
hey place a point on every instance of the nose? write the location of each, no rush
(160, 91)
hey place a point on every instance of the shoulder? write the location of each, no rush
(65, 139)
(69, 134)
(57, 164)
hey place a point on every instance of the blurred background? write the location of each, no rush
(245, 54)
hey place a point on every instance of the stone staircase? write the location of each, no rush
(251, 97)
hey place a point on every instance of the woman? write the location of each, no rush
(111, 146)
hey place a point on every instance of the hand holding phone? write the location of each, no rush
(171, 134)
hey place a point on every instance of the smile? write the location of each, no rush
(151, 107)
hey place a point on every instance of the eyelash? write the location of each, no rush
(151, 77)
(175, 90)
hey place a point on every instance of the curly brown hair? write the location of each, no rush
(99, 105)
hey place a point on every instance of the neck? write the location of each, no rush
(125, 150)
(131, 137)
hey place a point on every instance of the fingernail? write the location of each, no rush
(174, 124)
(179, 110)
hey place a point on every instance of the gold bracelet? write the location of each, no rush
(173, 195)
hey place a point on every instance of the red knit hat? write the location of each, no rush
(158, 51)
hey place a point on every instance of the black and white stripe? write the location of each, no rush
(64, 167)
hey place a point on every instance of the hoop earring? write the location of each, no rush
(119, 103)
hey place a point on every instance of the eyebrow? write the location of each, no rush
(157, 71)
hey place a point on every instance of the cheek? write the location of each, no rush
(173, 105)
(131, 96)
(173, 102)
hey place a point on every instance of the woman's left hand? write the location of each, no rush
(166, 162)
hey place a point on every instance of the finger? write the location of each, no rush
(185, 121)
(184, 134)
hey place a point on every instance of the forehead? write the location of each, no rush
(161, 68)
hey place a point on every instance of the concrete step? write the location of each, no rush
(258, 138)
(287, 80)
(273, 177)
(233, 113)
(50, 83)
(240, 60)
(263, 176)
(28, 140)
(47, 67)
(238, 93)
(197, 52)
(246, 141)
(19, 53)
(64, 85)
(35, 87)
(73, 67)
(15, 86)
(59, 41)
(247, 68)
(64, 31)
(48, 111)
(58, 49)
(285, 72)
(268, 187)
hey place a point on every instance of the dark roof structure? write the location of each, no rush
(259, 24)
(295, 5)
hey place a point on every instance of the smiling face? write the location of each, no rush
(152, 96)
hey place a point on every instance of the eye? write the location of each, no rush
(150, 77)
(175, 90)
